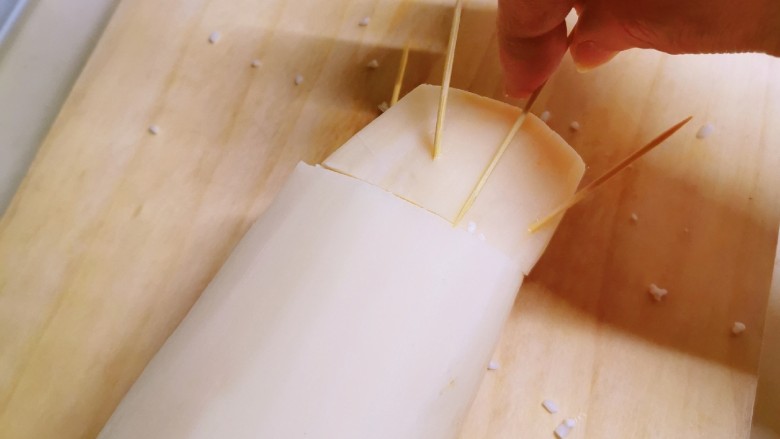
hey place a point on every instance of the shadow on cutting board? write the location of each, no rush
(705, 232)
(602, 263)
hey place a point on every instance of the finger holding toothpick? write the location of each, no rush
(501, 150)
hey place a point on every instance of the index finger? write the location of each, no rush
(531, 41)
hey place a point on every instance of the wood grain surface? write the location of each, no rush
(115, 231)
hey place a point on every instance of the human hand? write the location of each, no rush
(532, 33)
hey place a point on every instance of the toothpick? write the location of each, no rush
(504, 145)
(399, 79)
(499, 153)
(445, 82)
(587, 190)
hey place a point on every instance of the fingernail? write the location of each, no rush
(516, 92)
(588, 55)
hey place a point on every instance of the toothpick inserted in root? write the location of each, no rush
(399, 79)
(445, 82)
(587, 190)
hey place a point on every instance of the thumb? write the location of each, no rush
(597, 38)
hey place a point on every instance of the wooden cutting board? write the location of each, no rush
(115, 231)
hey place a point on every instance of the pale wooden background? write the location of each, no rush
(115, 232)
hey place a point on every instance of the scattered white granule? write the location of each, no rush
(154, 129)
(656, 292)
(738, 328)
(561, 431)
(545, 116)
(373, 64)
(705, 131)
(256, 63)
(214, 37)
(364, 21)
(574, 126)
(564, 428)
(298, 79)
(550, 406)
(383, 107)
(493, 365)
(634, 217)
(472, 227)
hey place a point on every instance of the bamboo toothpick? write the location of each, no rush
(399, 79)
(445, 82)
(584, 192)
(504, 145)
(499, 153)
